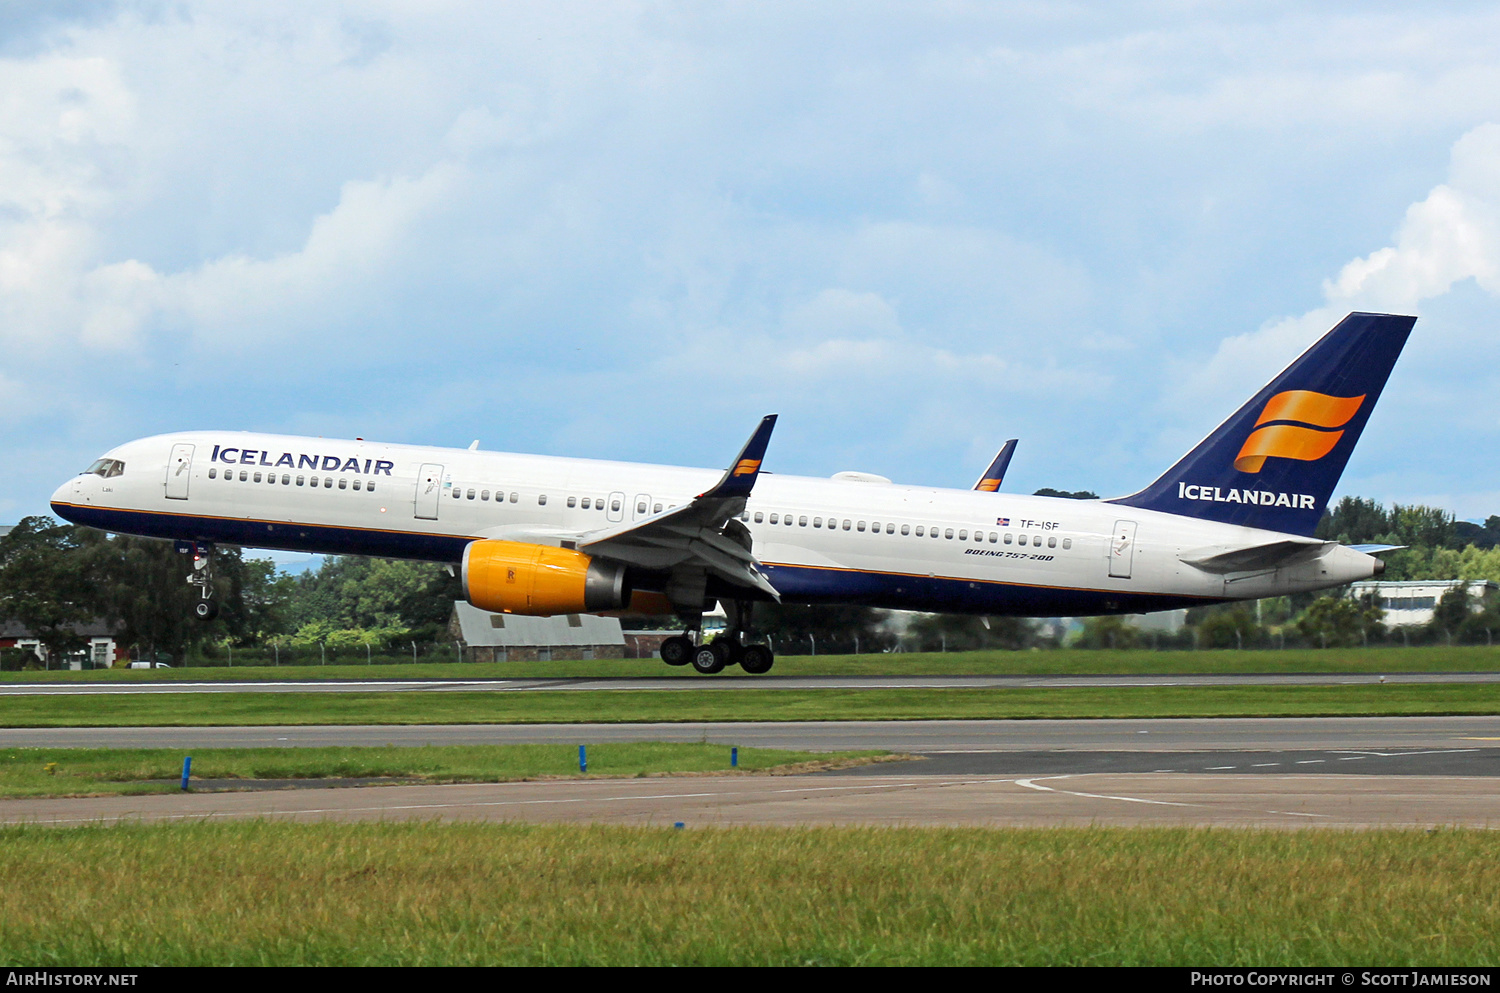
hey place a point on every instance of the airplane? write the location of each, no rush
(540, 535)
(994, 476)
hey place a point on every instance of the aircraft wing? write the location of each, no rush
(1248, 558)
(704, 532)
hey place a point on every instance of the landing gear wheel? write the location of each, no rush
(711, 658)
(733, 650)
(756, 659)
(205, 610)
(676, 650)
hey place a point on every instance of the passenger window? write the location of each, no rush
(343, 483)
(514, 496)
(906, 529)
(1051, 542)
(614, 505)
(817, 522)
(994, 537)
(775, 519)
(962, 535)
(656, 509)
(802, 522)
(328, 482)
(759, 517)
(640, 508)
(485, 495)
(255, 478)
(847, 524)
(1009, 538)
(313, 481)
(1067, 542)
(786, 519)
(587, 503)
(471, 493)
(860, 526)
(356, 483)
(1022, 539)
(213, 474)
(948, 533)
(457, 492)
(541, 499)
(919, 531)
(369, 488)
(301, 480)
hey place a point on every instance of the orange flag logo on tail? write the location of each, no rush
(1308, 438)
(746, 467)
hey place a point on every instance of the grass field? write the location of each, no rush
(479, 894)
(98, 771)
(1464, 658)
(749, 704)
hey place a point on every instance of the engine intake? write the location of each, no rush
(512, 577)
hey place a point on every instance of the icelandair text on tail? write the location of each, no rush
(1263, 498)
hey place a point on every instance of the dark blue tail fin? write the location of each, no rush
(1275, 462)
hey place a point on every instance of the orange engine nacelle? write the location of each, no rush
(511, 577)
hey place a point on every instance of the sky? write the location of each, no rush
(629, 229)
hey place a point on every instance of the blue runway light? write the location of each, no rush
(187, 768)
(583, 759)
(734, 758)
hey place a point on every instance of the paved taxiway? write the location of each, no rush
(709, 801)
(737, 681)
(1345, 772)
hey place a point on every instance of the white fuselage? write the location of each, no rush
(818, 540)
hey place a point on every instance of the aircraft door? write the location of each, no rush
(429, 488)
(1122, 549)
(616, 509)
(640, 507)
(179, 471)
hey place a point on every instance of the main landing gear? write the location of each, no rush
(724, 650)
(205, 607)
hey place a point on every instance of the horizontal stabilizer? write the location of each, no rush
(1376, 549)
(1252, 558)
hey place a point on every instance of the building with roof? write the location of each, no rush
(1411, 603)
(486, 637)
(101, 653)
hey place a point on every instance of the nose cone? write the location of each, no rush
(63, 499)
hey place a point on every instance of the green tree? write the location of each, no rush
(832, 629)
(43, 585)
(964, 633)
(1449, 615)
(1338, 622)
(1110, 631)
(1048, 491)
(1234, 627)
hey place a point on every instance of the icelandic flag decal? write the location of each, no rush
(1003, 522)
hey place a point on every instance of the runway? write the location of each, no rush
(733, 680)
(1282, 772)
(1296, 802)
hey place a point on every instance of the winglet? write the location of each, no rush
(995, 474)
(740, 477)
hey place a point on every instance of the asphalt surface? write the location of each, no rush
(738, 681)
(1277, 772)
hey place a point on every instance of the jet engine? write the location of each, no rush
(512, 577)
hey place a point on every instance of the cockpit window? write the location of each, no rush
(107, 468)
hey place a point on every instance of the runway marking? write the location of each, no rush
(1031, 784)
(1397, 755)
(1219, 768)
(1264, 765)
(1311, 761)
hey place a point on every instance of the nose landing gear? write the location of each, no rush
(205, 608)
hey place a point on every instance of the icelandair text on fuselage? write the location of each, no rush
(317, 463)
(1339, 979)
(1263, 498)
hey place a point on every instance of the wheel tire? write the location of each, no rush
(205, 610)
(733, 650)
(676, 650)
(756, 659)
(709, 659)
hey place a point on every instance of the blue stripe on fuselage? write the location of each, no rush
(797, 584)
